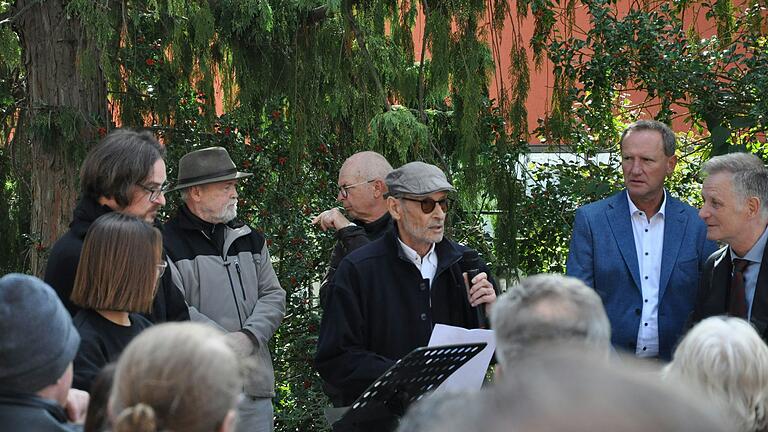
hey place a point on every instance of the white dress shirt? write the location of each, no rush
(649, 244)
(426, 265)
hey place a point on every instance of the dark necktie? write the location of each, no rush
(738, 296)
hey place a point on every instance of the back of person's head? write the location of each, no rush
(176, 377)
(37, 339)
(121, 160)
(729, 361)
(439, 404)
(548, 309)
(118, 265)
(574, 391)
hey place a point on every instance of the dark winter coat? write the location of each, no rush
(380, 309)
(349, 239)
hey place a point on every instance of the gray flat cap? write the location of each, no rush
(209, 165)
(37, 338)
(417, 178)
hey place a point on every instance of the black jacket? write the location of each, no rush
(21, 412)
(348, 239)
(65, 255)
(714, 287)
(379, 310)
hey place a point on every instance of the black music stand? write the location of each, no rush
(419, 372)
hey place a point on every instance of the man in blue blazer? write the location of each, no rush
(641, 249)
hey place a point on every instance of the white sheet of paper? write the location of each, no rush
(470, 376)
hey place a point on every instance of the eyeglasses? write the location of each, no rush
(154, 193)
(428, 204)
(161, 269)
(344, 189)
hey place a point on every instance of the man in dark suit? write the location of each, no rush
(735, 210)
(641, 249)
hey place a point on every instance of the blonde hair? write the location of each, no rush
(727, 358)
(175, 377)
(118, 265)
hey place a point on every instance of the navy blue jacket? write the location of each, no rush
(378, 311)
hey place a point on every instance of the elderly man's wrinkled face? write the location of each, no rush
(417, 228)
(355, 194)
(218, 201)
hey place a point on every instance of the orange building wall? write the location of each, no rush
(541, 79)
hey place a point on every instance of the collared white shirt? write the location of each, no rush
(427, 265)
(755, 257)
(649, 245)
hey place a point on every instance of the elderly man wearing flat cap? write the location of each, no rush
(226, 272)
(389, 294)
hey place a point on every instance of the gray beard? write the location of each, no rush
(228, 214)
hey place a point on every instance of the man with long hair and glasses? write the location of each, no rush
(387, 296)
(125, 172)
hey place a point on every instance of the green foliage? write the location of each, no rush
(11, 252)
(303, 84)
(399, 129)
(650, 50)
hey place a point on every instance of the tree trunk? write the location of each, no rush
(66, 104)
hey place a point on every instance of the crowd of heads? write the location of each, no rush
(558, 372)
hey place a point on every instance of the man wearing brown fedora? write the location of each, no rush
(226, 272)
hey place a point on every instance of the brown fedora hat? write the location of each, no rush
(204, 166)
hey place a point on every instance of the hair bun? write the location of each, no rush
(138, 418)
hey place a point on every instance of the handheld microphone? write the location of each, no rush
(470, 264)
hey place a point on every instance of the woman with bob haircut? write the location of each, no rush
(176, 377)
(727, 359)
(116, 281)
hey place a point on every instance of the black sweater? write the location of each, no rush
(101, 342)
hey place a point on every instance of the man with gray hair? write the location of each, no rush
(548, 310)
(573, 390)
(362, 192)
(641, 249)
(38, 343)
(734, 280)
(227, 275)
(388, 295)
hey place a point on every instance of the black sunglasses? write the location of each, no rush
(428, 204)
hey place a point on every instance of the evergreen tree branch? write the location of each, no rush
(364, 50)
(422, 114)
